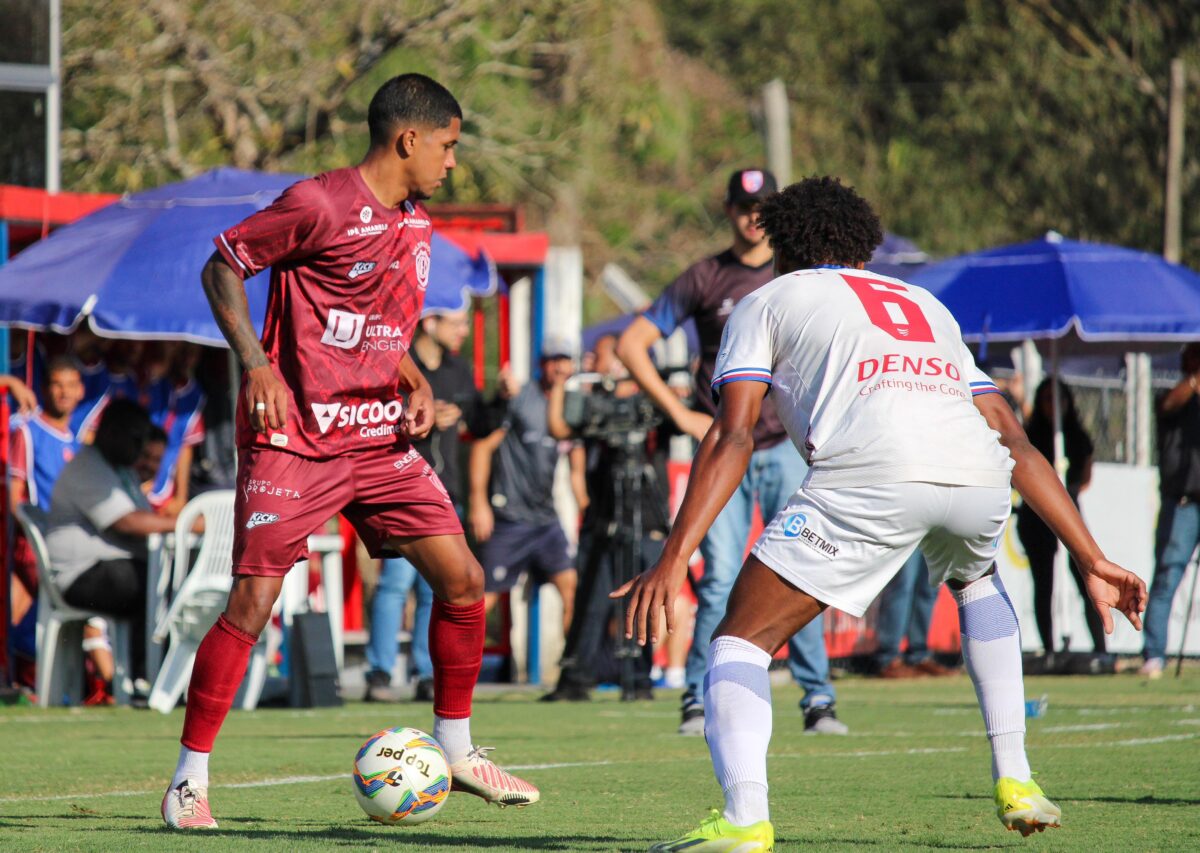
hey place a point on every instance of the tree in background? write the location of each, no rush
(615, 124)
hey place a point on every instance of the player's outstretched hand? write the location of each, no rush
(649, 592)
(1110, 586)
(267, 396)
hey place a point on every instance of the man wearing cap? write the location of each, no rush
(512, 514)
(707, 292)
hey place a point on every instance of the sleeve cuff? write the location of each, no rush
(231, 258)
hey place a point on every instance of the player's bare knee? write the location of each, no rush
(463, 586)
(250, 602)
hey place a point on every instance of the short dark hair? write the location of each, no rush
(409, 98)
(60, 363)
(820, 220)
(122, 433)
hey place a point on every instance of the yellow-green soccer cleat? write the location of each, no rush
(717, 835)
(1022, 806)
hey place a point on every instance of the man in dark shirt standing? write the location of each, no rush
(1179, 518)
(708, 291)
(456, 404)
(512, 512)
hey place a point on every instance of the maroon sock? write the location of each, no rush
(456, 647)
(220, 666)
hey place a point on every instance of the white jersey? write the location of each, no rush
(871, 379)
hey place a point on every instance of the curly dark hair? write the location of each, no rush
(819, 220)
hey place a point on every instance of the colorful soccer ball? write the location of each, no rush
(401, 776)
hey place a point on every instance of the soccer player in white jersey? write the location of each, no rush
(909, 446)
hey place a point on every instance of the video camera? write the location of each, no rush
(592, 409)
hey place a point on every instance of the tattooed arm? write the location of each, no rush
(227, 296)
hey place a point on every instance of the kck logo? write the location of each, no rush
(260, 518)
(343, 329)
(365, 214)
(325, 413)
(361, 268)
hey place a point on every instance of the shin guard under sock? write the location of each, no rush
(991, 645)
(456, 648)
(216, 675)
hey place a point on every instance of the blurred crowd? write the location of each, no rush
(110, 438)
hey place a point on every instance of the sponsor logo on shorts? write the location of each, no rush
(268, 488)
(436, 481)
(260, 518)
(278, 439)
(407, 459)
(373, 419)
(421, 253)
(797, 527)
(360, 268)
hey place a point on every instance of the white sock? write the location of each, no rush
(454, 736)
(676, 677)
(192, 765)
(737, 725)
(991, 642)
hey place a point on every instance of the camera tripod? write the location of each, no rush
(614, 556)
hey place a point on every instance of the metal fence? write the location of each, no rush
(1104, 409)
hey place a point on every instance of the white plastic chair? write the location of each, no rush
(200, 599)
(60, 629)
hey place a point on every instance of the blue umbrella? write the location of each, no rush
(133, 268)
(897, 257)
(1076, 297)
(1082, 294)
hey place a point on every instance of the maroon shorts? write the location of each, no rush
(283, 498)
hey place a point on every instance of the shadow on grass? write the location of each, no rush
(1147, 800)
(911, 841)
(359, 838)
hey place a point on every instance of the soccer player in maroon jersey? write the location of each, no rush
(329, 406)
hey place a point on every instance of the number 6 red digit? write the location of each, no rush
(897, 315)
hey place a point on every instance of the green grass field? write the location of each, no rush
(1120, 756)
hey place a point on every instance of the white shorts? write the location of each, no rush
(843, 545)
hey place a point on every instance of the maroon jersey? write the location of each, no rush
(348, 279)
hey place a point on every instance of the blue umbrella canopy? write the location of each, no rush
(1054, 288)
(132, 269)
(898, 257)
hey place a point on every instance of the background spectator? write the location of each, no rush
(40, 446)
(1038, 541)
(512, 512)
(1179, 519)
(99, 520)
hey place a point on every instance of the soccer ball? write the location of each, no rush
(401, 776)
